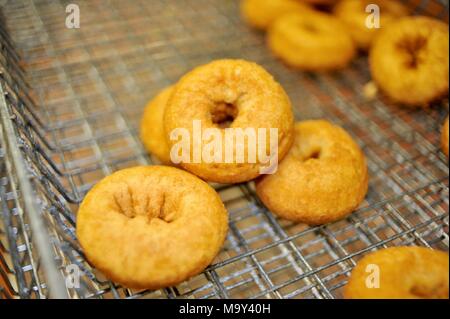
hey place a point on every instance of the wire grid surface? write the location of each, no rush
(91, 85)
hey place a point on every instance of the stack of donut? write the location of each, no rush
(156, 226)
(408, 55)
(152, 227)
(316, 157)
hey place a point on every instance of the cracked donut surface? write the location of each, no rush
(322, 179)
(224, 95)
(409, 60)
(151, 227)
(400, 273)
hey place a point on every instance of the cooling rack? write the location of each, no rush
(70, 104)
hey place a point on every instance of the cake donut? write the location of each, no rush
(401, 273)
(152, 131)
(228, 96)
(409, 60)
(261, 14)
(322, 179)
(353, 14)
(151, 227)
(445, 137)
(312, 41)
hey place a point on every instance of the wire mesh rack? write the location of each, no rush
(70, 105)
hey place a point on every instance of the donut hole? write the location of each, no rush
(419, 292)
(307, 154)
(412, 46)
(153, 205)
(309, 27)
(223, 114)
(315, 154)
(425, 292)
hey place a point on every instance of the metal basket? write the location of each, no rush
(79, 123)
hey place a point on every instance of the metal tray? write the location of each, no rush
(70, 104)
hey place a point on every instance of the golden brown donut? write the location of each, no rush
(403, 273)
(353, 14)
(151, 227)
(322, 179)
(445, 137)
(262, 13)
(152, 131)
(409, 60)
(312, 41)
(227, 94)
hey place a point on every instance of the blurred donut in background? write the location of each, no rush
(261, 14)
(311, 41)
(353, 14)
(409, 60)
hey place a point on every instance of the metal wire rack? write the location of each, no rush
(70, 105)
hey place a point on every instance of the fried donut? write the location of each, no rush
(313, 42)
(152, 132)
(409, 60)
(403, 273)
(353, 14)
(261, 14)
(151, 227)
(230, 94)
(322, 179)
(445, 137)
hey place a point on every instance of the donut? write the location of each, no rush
(261, 14)
(353, 14)
(322, 179)
(228, 96)
(312, 41)
(152, 131)
(409, 60)
(445, 137)
(400, 273)
(151, 227)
